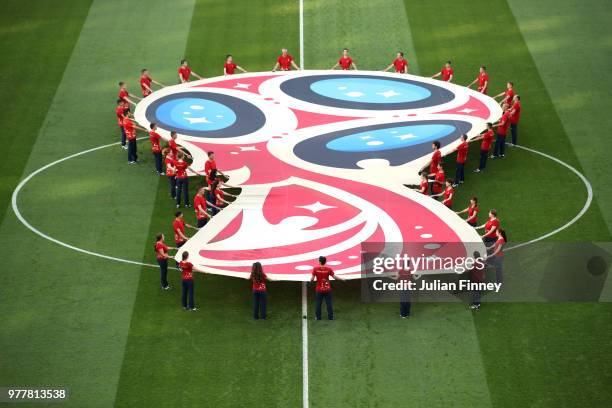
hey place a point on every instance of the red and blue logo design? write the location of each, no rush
(322, 158)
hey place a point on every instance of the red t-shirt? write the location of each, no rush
(130, 130)
(123, 94)
(178, 225)
(284, 62)
(187, 269)
(473, 211)
(509, 95)
(184, 72)
(487, 139)
(159, 246)
(154, 137)
(145, 80)
(219, 194)
(322, 274)
(197, 202)
(435, 160)
(504, 123)
(400, 65)
(229, 68)
(259, 286)
(477, 273)
(489, 225)
(169, 161)
(173, 147)
(424, 187)
(119, 112)
(462, 151)
(446, 74)
(209, 166)
(516, 113)
(448, 201)
(483, 78)
(499, 244)
(345, 62)
(181, 169)
(440, 178)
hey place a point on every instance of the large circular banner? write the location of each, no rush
(322, 158)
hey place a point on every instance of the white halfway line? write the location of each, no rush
(304, 345)
(305, 399)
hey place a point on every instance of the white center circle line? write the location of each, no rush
(25, 222)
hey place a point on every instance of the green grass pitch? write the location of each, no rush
(104, 330)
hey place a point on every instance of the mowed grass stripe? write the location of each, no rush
(29, 35)
(374, 31)
(369, 356)
(570, 47)
(217, 356)
(551, 350)
(66, 315)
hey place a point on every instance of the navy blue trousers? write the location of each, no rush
(260, 303)
(187, 294)
(328, 302)
(163, 272)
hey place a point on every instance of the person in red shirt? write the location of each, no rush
(405, 276)
(199, 205)
(487, 140)
(187, 269)
(515, 115)
(170, 171)
(182, 180)
(322, 274)
(472, 212)
(285, 61)
(162, 256)
(448, 194)
(446, 73)
(502, 130)
(211, 164)
(399, 63)
(130, 133)
(146, 81)
(478, 274)
(345, 61)
(497, 254)
(229, 67)
(437, 186)
(490, 227)
(122, 106)
(125, 96)
(185, 73)
(482, 79)
(260, 292)
(219, 196)
(176, 149)
(155, 140)
(424, 185)
(436, 158)
(507, 95)
(462, 152)
(178, 226)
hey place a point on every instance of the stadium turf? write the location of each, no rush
(104, 329)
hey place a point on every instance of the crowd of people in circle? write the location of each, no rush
(172, 161)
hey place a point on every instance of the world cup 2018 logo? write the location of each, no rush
(322, 158)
